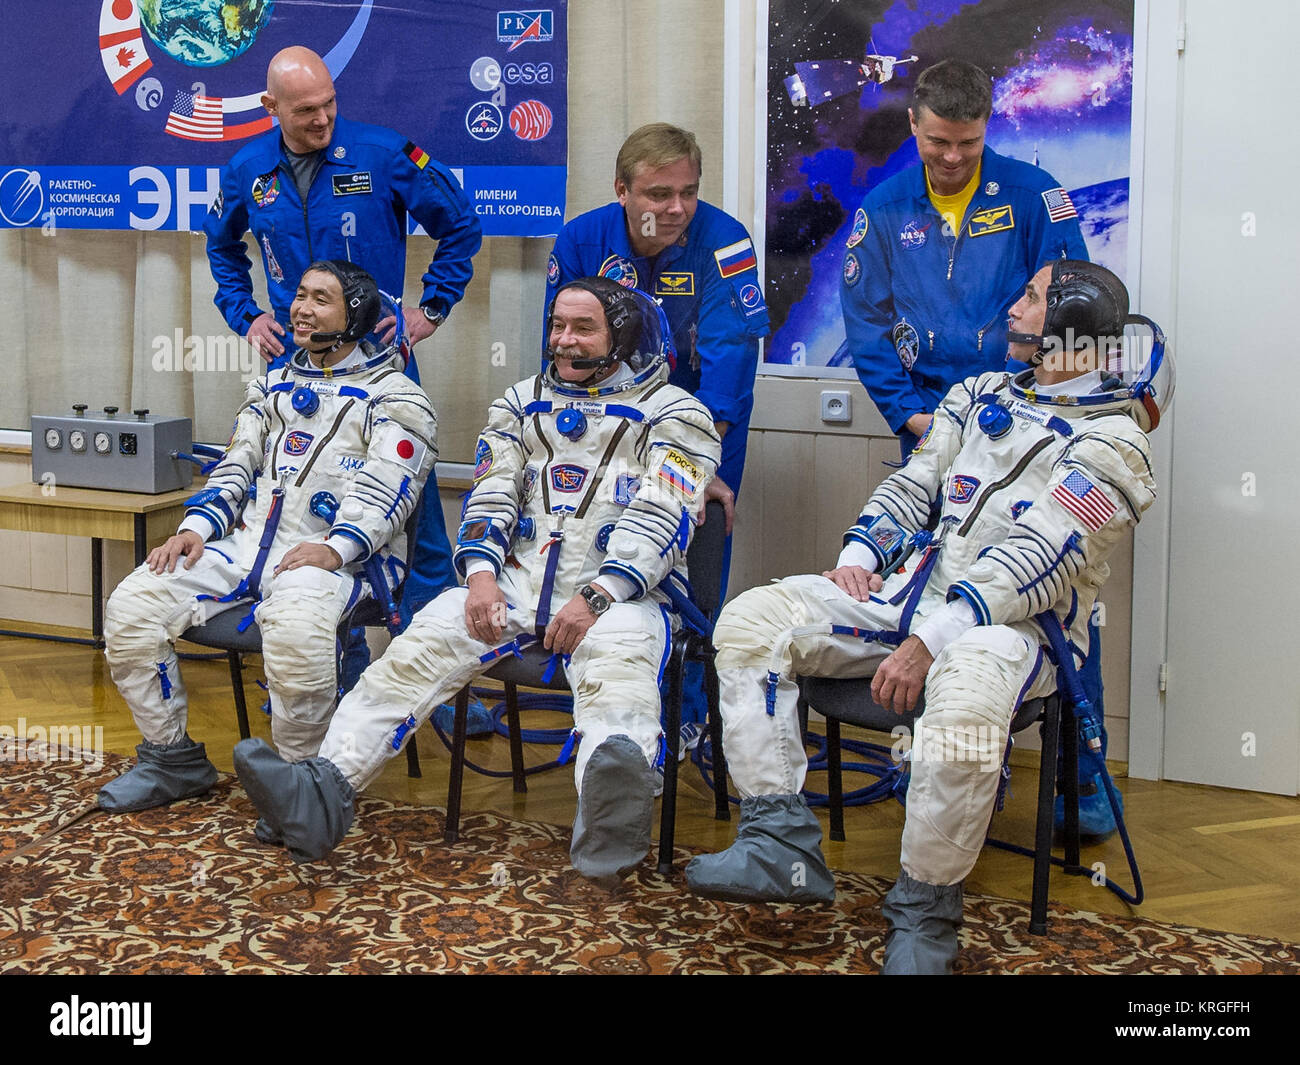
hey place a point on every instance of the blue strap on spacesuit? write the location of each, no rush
(514, 647)
(164, 682)
(692, 616)
(570, 743)
(250, 587)
(373, 567)
(552, 550)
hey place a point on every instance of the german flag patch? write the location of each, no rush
(416, 154)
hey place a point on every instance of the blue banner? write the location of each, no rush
(121, 113)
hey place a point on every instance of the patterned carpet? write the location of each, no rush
(188, 889)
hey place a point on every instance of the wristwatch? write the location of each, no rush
(431, 312)
(597, 602)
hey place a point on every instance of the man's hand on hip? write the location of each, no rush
(899, 681)
(262, 335)
(717, 489)
(417, 326)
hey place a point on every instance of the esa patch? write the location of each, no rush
(351, 184)
(906, 343)
(1059, 205)
(405, 450)
(266, 189)
(568, 477)
(962, 489)
(735, 258)
(552, 271)
(626, 486)
(675, 283)
(913, 236)
(483, 460)
(617, 268)
(859, 230)
(680, 473)
(751, 299)
(852, 269)
(297, 443)
(991, 220)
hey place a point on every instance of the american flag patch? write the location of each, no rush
(1084, 500)
(1059, 204)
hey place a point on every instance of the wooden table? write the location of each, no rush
(131, 516)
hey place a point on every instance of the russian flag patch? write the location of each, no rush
(736, 258)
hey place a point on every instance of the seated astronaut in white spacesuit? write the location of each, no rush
(1037, 477)
(327, 459)
(588, 480)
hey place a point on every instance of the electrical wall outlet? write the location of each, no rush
(837, 407)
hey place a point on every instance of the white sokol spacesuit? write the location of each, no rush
(573, 484)
(1035, 487)
(335, 456)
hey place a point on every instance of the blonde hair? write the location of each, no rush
(656, 145)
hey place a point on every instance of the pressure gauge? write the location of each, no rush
(103, 443)
(77, 440)
(53, 439)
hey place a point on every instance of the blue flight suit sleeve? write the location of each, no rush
(434, 198)
(225, 225)
(562, 267)
(1048, 240)
(732, 318)
(867, 299)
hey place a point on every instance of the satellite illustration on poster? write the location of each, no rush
(840, 80)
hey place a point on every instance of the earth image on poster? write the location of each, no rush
(204, 33)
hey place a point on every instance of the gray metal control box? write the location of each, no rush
(131, 453)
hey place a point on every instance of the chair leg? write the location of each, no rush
(451, 831)
(672, 739)
(516, 741)
(237, 682)
(1051, 738)
(412, 759)
(721, 807)
(1070, 785)
(835, 779)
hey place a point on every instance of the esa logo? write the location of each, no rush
(528, 73)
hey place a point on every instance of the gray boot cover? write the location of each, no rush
(266, 834)
(159, 776)
(308, 804)
(611, 832)
(777, 856)
(923, 923)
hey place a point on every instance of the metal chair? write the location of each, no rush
(704, 562)
(849, 701)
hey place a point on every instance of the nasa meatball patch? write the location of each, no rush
(404, 449)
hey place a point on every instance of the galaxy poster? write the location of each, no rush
(840, 80)
(119, 114)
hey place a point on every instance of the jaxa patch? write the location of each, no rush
(991, 220)
(405, 450)
(751, 299)
(914, 236)
(675, 283)
(963, 488)
(351, 184)
(568, 477)
(626, 486)
(680, 473)
(297, 443)
(617, 268)
(483, 460)
(552, 271)
(859, 230)
(266, 189)
(852, 269)
(906, 343)
(219, 204)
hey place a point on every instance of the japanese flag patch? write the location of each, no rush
(404, 449)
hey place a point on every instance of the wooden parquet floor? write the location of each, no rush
(1210, 857)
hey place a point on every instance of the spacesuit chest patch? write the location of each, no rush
(680, 473)
(626, 486)
(962, 489)
(482, 460)
(297, 443)
(568, 477)
(351, 184)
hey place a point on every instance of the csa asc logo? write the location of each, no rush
(616, 268)
(519, 27)
(483, 121)
(530, 120)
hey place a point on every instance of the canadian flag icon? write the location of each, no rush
(121, 48)
(404, 449)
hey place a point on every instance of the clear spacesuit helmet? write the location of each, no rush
(1087, 327)
(638, 328)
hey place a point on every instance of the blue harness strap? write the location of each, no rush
(552, 550)
(250, 587)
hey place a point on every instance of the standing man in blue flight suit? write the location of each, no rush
(321, 187)
(939, 252)
(937, 256)
(700, 265)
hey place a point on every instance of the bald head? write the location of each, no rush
(300, 93)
